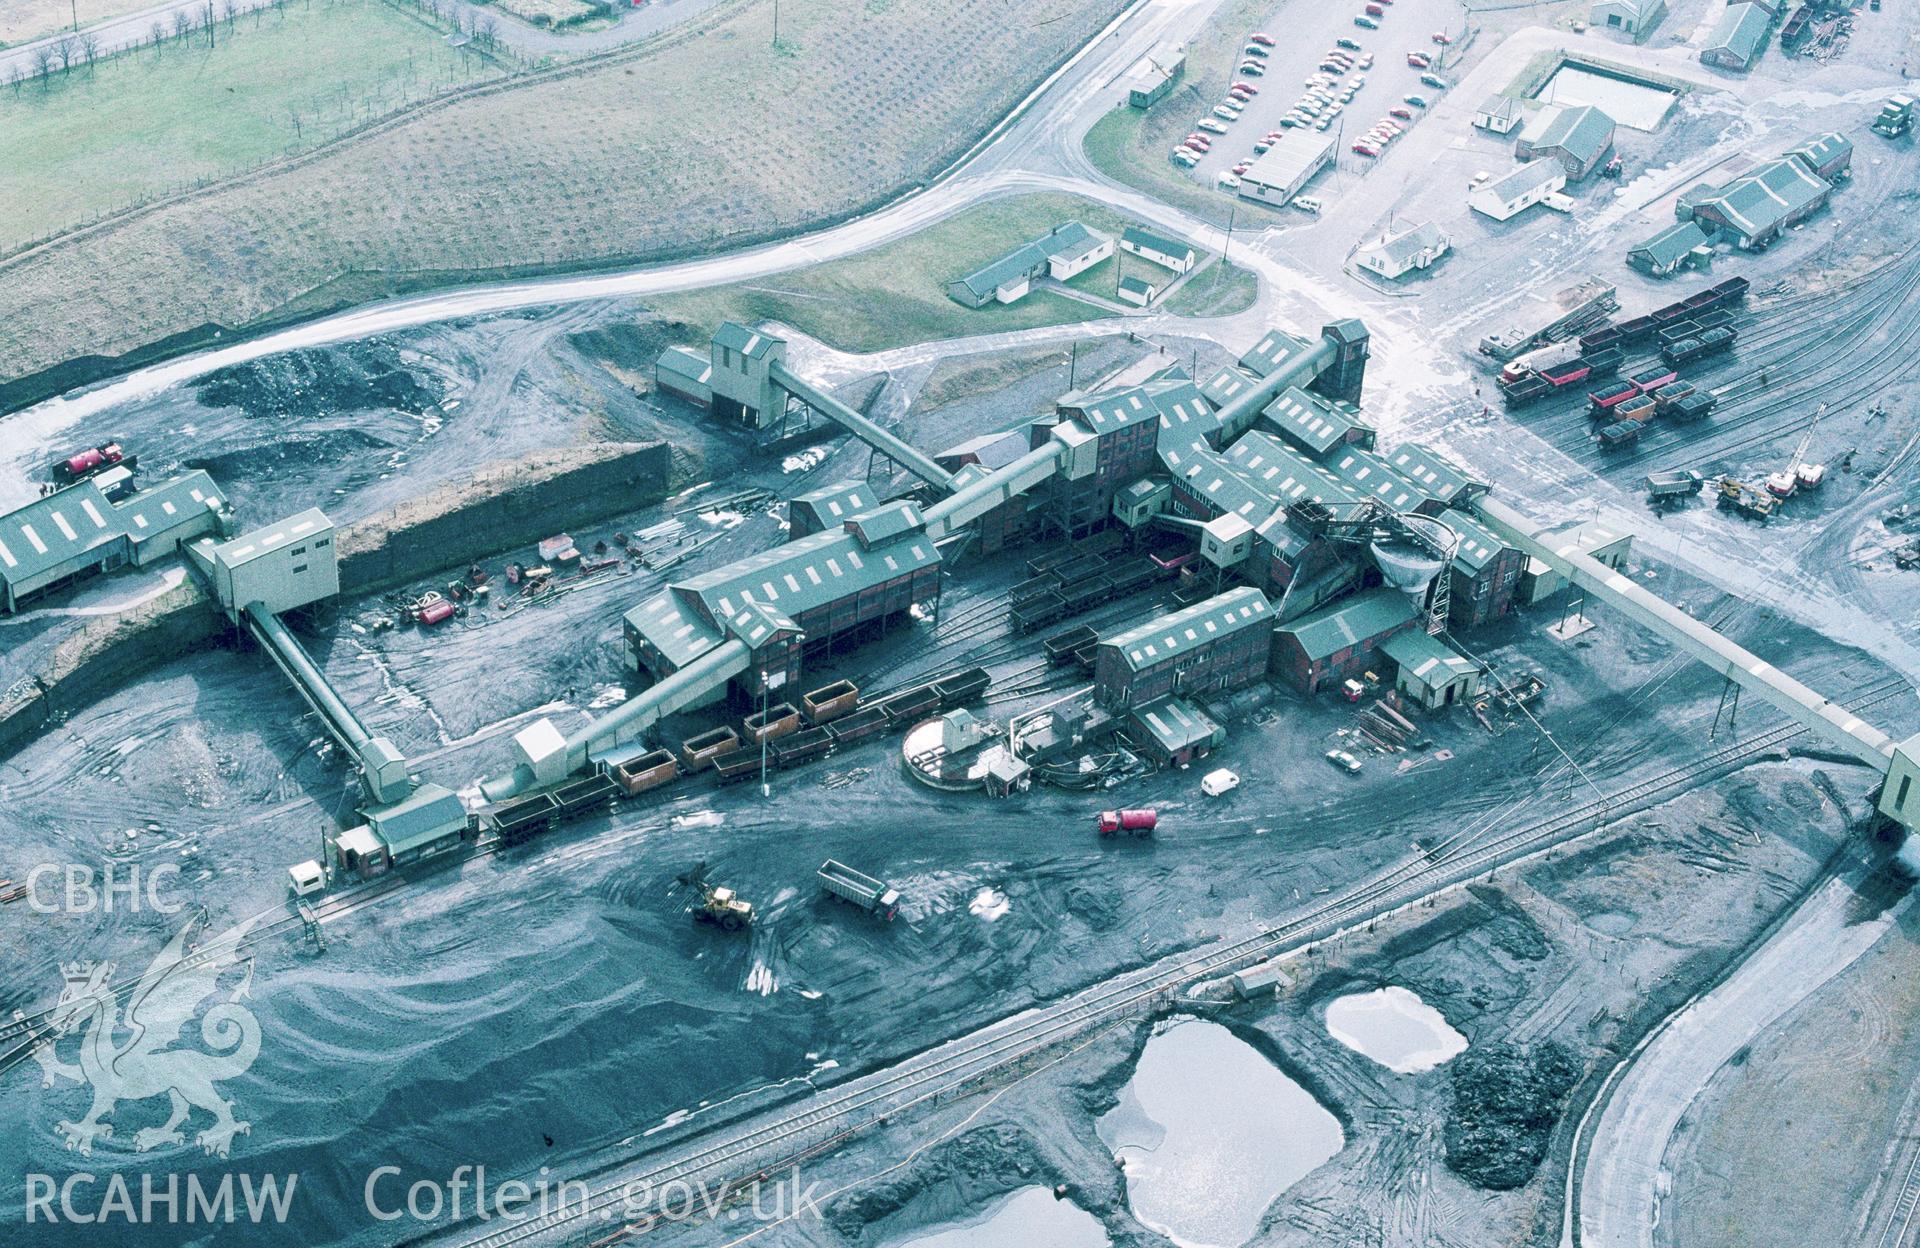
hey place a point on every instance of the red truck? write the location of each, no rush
(1132, 822)
(86, 463)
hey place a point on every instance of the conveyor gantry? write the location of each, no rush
(1834, 723)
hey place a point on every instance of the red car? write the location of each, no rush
(1419, 60)
(1262, 38)
(1247, 87)
(1242, 167)
(1404, 114)
(1441, 36)
(1366, 149)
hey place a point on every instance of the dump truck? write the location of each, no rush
(859, 889)
(1132, 822)
(723, 908)
(1672, 486)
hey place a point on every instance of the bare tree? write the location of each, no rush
(15, 76)
(89, 49)
(229, 11)
(68, 50)
(43, 59)
(182, 24)
(207, 20)
(159, 33)
(483, 31)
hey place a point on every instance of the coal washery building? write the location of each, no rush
(79, 532)
(1214, 646)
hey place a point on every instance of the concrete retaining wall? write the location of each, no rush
(506, 504)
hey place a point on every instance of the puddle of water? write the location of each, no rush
(1630, 104)
(1395, 1028)
(1210, 1133)
(1030, 1216)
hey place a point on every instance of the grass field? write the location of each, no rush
(1219, 289)
(21, 20)
(76, 146)
(704, 139)
(897, 294)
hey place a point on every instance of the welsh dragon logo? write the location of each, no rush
(131, 1056)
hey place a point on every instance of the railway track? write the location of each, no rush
(1899, 1225)
(1001, 1047)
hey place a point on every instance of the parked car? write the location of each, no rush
(1305, 203)
(1353, 44)
(1365, 61)
(1401, 111)
(1262, 38)
(1253, 69)
(1214, 783)
(1418, 101)
(1344, 761)
(1366, 23)
(1365, 148)
(1212, 125)
(1263, 147)
(1323, 123)
(1442, 37)
(1419, 60)
(1185, 157)
(1244, 88)
(1376, 10)
(1289, 121)
(1254, 49)
(1242, 167)
(1224, 113)
(1229, 182)
(1435, 81)
(1201, 141)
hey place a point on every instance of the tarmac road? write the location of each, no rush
(1620, 1184)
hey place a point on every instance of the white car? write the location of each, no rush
(1344, 761)
(1214, 783)
(1228, 182)
(1212, 125)
(1224, 113)
(1306, 203)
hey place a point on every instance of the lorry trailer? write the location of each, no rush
(80, 466)
(1673, 485)
(859, 889)
(1132, 822)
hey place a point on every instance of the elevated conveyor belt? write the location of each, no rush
(971, 502)
(860, 427)
(383, 769)
(1238, 414)
(686, 687)
(1831, 721)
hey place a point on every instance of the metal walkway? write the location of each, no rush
(860, 427)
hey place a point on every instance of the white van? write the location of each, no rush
(1214, 783)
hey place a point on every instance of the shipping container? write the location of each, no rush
(830, 701)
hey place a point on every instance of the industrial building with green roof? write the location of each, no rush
(1215, 645)
(1341, 639)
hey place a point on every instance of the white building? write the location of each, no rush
(1499, 113)
(1168, 253)
(1397, 254)
(283, 566)
(1536, 182)
(1287, 167)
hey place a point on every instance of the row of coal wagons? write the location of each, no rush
(522, 818)
(1555, 378)
(1072, 586)
(1706, 309)
(806, 743)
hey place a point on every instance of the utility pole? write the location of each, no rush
(776, 23)
(765, 790)
(1232, 209)
(1073, 364)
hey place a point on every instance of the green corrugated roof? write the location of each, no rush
(1584, 131)
(1426, 657)
(1287, 476)
(1314, 423)
(1346, 623)
(1177, 724)
(1742, 29)
(51, 530)
(1370, 475)
(1478, 544)
(1192, 627)
(1672, 244)
(1272, 351)
(1429, 471)
(748, 342)
(1157, 242)
(429, 813)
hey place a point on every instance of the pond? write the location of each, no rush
(1635, 105)
(1395, 1028)
(1030, 1216)
(1210, 1133)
